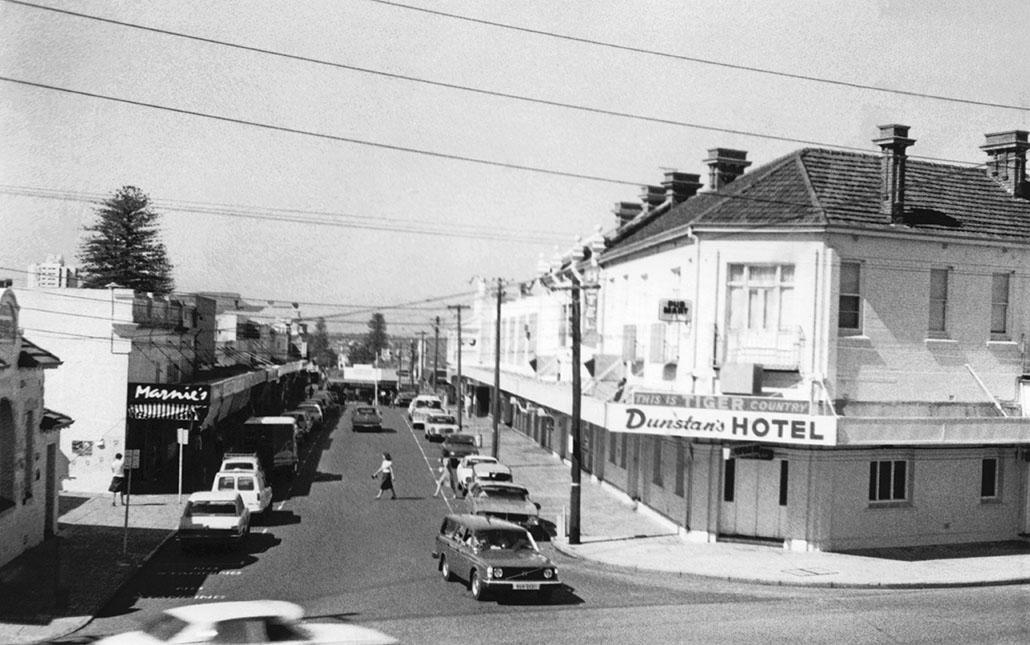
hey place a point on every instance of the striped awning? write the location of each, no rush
(167, 411)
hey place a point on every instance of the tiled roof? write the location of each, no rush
(814, 186)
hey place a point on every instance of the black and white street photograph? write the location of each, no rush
(451, 321)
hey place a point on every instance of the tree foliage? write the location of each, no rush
(124, 246)
(374, 342)
(319, 349)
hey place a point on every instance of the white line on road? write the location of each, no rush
(429, 465)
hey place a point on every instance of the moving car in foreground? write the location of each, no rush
(493, 556)
(252, 621)
(213, 517)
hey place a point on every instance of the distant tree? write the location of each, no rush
(124, 246)
(318, 348)
(377, 340)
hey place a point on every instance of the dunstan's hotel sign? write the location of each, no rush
(723, 418)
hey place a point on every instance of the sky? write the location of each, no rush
(376, 165)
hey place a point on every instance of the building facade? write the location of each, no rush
(826, 352)
(29, 437)
(53, 273)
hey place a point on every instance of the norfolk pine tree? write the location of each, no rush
(124, 246)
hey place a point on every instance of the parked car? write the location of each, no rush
(458, 445)
(248, 621)
(492, 555)
(316, 410)
(272, 439)
(213, 517)
(325, 399)
(463, 473)
(505, 501)
(250, 484)
(437, 426)
(487, 472)
(366, 417)
(424, 401)
(240, 461)
(305, 421)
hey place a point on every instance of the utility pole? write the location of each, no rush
(457, 390)
(496, 403)
(436, 351)
(422, 357)
(577, 394)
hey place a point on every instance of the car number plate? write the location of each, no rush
(525, 586)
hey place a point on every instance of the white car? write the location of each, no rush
(240, 461)
(463, 472)
(250, 484)
(424, 401)
(251, 621)
(218, 517)
(437, 426)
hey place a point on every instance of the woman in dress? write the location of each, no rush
(386, 471)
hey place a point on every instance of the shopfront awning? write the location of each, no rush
(53, 420)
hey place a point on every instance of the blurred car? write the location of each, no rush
(438, 426)
(250, 484)
(251, 621)
(213, 517)
(458, 445)
(505, 501)
(424, 401)
(326, 399)
(316, 411)
(463, 473)
(493, 555)
(305, 421)
(404, 399)
(366, 417)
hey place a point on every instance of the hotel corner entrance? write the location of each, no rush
(754, 498)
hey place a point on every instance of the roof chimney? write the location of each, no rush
(681, 186)
(1007, 160)
(725, 165)
(893, 140)
(652, 195)
(625, 212)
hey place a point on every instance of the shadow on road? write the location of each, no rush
(563, 595)
(946, 551)
(278, 518)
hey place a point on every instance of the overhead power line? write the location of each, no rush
(704, 61)
(301, 216)
(329, 137)
(463, 88)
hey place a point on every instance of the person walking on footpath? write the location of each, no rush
(443, 475)
(385, 470)
(118, 480)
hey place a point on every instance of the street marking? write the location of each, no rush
(209, 597)
(429, 465)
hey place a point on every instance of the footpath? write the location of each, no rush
(57, 587)
(616, 531)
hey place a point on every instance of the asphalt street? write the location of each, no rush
(343, 555)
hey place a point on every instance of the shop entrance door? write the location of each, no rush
(751, 499)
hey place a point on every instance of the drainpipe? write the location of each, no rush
(697, 307)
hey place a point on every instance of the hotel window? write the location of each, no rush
(989, 479)
(888, 481)
(656, 461)
(761, 297)
(849, 320)
(999, 304)
(938, 300)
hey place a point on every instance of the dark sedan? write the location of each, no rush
(458, 445)
(366, 417)
(493, 555)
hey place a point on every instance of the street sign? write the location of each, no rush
(184, 436)
(131, 459)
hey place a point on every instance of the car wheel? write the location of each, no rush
(445, 570)
(477, 586)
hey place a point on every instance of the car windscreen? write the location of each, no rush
(504, 539)
(457, 438)
(442, 419)
(366, 411)
(504, 493)
(238, 465)
(211, 508)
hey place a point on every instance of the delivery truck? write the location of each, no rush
(273, 439)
